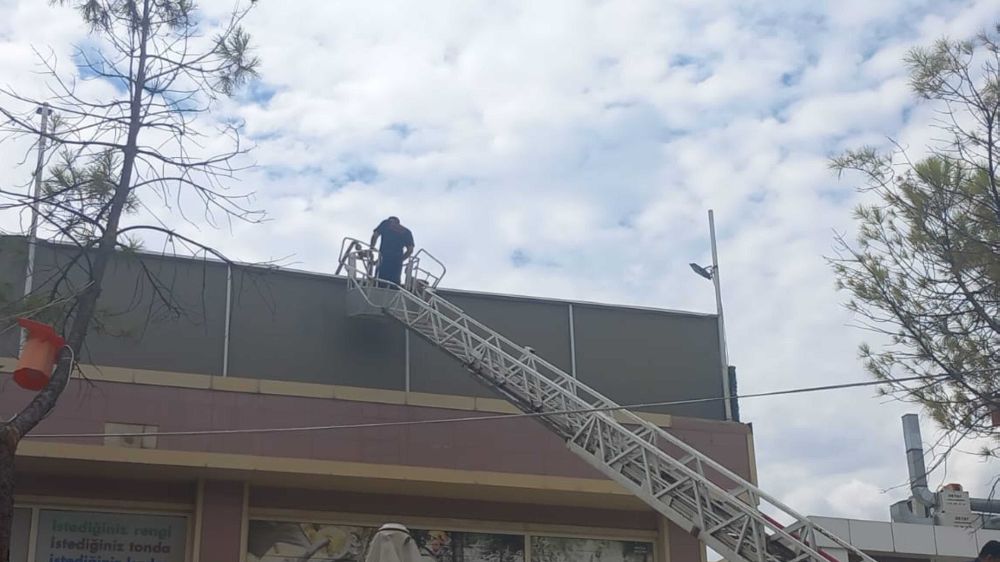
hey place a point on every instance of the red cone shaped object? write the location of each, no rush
(34, 367)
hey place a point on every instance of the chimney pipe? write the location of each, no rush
(915, 460)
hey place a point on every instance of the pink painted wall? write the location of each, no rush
(683, 546)
(514, 445)
(30, 483)
(222, 520)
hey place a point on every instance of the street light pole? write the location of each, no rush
(29, 275)
(723, 352)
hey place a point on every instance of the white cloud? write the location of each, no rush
(591, 137)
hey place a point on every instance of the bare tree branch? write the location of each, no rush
(105, 150)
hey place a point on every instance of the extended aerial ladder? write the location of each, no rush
(687, 487)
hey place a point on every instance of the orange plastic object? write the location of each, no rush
(34, 367)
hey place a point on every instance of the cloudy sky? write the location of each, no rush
(572, 148)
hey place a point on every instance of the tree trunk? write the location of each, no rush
(43, 402)
(8, 445)
(10, 436)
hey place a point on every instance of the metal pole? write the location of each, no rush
(229, 319)
(572, 342)
(723, 352)
(29, 273)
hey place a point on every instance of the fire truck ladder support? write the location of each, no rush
(687, 487)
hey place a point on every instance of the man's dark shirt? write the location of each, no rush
(394, 237)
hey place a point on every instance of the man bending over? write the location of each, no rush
(396, 247)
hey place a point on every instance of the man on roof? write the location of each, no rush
(396, 248)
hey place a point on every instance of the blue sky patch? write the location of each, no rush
(519, 258)
(258, 92)
(404, 130)
(89, 64)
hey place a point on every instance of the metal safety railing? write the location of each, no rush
(686, 486)
(360, 260)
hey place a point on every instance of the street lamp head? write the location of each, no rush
(706, 272)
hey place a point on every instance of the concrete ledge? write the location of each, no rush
(452, 402)
(181, 380)
(92, 372)
(99, 373)
(234, 384)
(495, 405)
(360, 394)
(75, 459)
(291, 388)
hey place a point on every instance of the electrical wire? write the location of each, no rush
(492, 417)
(32, 312)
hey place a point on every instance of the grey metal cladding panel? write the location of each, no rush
(543, 326)
(13, 260)
(636, 356)
(139, 331)
(291, 326)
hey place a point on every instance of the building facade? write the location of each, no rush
(907, 542)
(230, 413)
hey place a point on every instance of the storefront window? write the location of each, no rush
(445, 546)
(278, 541)
(69, 536)
(560, 549)
(273, 541)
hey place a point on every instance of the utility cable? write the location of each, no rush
(491, 417)
(34, 311)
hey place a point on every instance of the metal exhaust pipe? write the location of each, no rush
(915, 460)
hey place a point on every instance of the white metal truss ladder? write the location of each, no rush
(690, 489)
